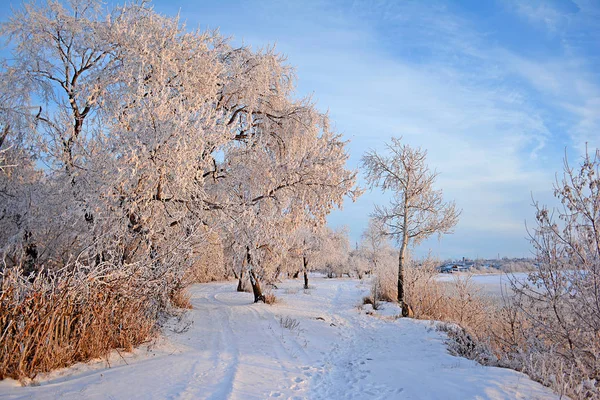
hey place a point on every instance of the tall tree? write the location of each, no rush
(289, 172)
(416, 210)
(149, 133)
(128, 142)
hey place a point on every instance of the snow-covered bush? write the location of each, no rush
(463, 344)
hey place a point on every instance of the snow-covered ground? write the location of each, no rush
(233, 349)
(494, 285)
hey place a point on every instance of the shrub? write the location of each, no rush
(552, 325)
(269, 297)
(181, 298)
(57, 319)
(372, 299)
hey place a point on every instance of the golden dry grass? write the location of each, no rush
(52, 325)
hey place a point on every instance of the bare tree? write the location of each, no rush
(416, 210)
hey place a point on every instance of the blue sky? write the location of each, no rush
(496, 91)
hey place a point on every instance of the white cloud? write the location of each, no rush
(541, 13)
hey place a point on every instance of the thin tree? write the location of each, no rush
(416, 210)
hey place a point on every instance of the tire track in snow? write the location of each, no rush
(281, 353)
(229, 355)
(224, 354)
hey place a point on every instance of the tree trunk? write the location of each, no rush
(31, 257)
(401, 262)
(240, 287)
(305, 262)
(295, 276)
(406, 308)
(402, 258)
(258, 296)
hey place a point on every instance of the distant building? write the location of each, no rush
(454, 267)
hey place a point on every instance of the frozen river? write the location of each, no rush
(489, 284)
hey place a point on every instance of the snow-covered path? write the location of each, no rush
(233, 349)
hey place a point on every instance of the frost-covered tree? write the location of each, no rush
(334, 252)
(134, 117)
(358, 263)
(131, 147)
(287, 171)
(116, 125)
(318, 247)
(307, 242)
(561, 300)
(373, 243)
(416, 210)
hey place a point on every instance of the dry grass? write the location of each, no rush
(180, 298)
(270, 298)
(384, 285)
(494, 332)
(457, 301)
(56, 321)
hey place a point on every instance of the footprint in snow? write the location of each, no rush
(297, 383)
